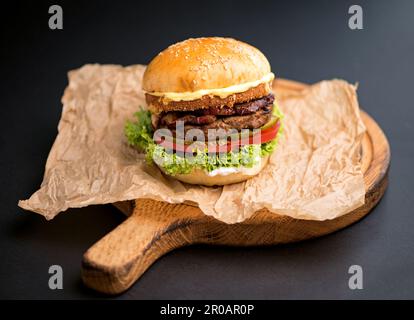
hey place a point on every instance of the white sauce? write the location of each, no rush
(223, 171)
(226, 171)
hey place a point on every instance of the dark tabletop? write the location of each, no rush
(306, 41)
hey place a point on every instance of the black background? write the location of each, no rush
(304, 40)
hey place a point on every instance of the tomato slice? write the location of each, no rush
(260, 137)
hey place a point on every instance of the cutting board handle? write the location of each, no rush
(116, 261)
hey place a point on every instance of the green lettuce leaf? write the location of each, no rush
(139, 134)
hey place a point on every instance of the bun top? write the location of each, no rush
(205, 64)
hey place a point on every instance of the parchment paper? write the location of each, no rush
(315, 172)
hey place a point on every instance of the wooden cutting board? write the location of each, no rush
(153, 228)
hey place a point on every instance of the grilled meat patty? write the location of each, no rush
(247, 115)
(240, 109)
(156, 104)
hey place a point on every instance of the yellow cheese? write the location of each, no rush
(220, 92)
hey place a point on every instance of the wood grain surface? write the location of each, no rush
(153, 228)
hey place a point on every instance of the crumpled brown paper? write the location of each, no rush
(315, 172)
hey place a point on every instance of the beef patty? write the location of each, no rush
(157, 105)
(247, 115)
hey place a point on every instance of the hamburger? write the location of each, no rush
(211, 117)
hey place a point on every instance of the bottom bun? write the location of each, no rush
(222, 176)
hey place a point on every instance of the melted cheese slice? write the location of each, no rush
(221, 92)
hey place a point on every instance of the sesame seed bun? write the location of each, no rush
(203, 65)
